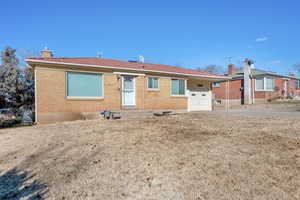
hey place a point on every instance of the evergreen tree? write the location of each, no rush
(8, 76)
(16, 85)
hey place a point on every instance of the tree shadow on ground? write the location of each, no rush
(18, 184)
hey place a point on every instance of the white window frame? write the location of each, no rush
(82, 98)
(158, 84)
(265, 84)
(185, 88)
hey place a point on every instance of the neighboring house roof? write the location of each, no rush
(125, 65)
(258, 72)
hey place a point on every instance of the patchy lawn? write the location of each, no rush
(188, 156)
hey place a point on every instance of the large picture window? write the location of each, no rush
(178, 87)
(84, 85)
(264, 84)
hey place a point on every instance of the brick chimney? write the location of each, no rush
(46, 53)
(231, 69)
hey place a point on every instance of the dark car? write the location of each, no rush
(7, 114)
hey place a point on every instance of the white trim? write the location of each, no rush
(185, 89)
(124, 68)
(130, 74)
(35, 97)
(158, 85)
(83, 98)
(84, 72)
(188, 101)
(134, 91)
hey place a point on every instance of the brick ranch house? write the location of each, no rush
(70, 88)
(265, 86)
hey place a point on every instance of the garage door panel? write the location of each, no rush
(199, 100)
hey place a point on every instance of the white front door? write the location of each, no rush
(128, 91)
(199, 100)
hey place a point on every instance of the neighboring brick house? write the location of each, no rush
(265, 86)
(68, 88)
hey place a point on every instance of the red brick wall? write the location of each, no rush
(234, 90)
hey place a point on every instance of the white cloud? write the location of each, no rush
(275, 62)
(262, 39)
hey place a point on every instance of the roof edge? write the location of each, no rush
(111, 67)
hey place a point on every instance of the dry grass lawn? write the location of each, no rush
(188, 156)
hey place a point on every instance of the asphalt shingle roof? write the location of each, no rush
(123, 64)
(257, 72)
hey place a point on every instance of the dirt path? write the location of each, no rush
(187, 156)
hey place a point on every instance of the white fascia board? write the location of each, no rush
(126, 73)
(121, 68)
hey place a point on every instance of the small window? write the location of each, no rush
(178, 87)
(84, 85)
(216, 84)
(153, 83)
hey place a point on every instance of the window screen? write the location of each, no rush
(178, 87)
(297, 84)
(84, 85)
(153, 82)
(260, 84)
(216, 84)
(269, 84)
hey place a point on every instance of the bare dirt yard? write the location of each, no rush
(186, 156)
(279, 109)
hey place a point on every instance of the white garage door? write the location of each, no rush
(199, 100)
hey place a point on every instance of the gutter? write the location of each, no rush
(270, 74)
(120, 68)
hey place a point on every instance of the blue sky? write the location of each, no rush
(187, 33)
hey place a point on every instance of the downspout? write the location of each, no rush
(35, 97)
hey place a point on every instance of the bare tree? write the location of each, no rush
(22, 53)
(212, 69)
(296, 67)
